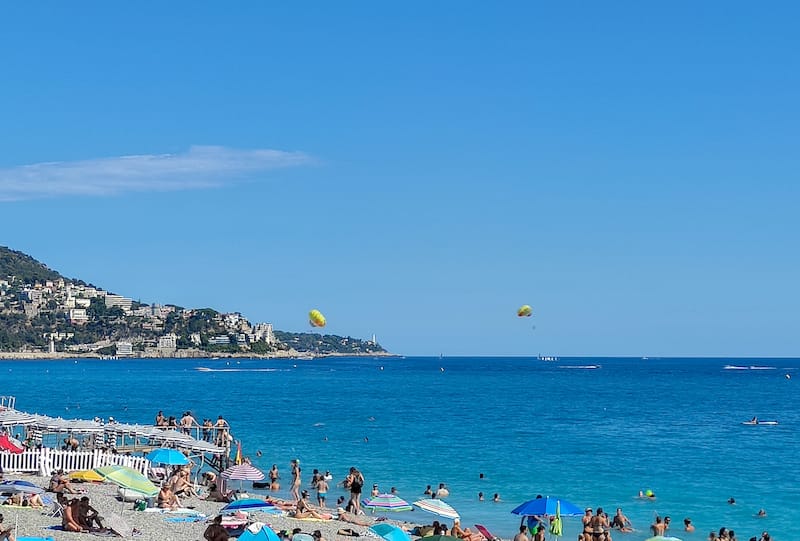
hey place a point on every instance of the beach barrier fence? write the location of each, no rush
(44, 461)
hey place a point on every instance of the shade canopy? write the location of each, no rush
(437, 507)
(386, 502)
(547, 506)
(264, 533)
(243, 472)
(170, 457)
(9, 417)
(246, 504)
(389, 532)
(128, 478)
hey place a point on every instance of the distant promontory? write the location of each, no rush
(43, 314)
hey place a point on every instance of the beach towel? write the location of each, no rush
(35, 539)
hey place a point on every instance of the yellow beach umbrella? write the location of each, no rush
(89, 476)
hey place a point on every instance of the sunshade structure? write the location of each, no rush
(10, 444)
(89, 476)
(9, 417)
(73, 426)
(547, 506)
(170, 457)
(437, 507)
(264, 533)
(20, 486)
(389, 532)
(128, 478)
(246, 504)
(386, 502)
(243, 472)
(115, 522)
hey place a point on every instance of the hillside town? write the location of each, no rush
(43, 313)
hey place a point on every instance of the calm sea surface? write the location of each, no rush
(593, 436)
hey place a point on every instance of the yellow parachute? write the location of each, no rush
(316, 319)
(525, 311)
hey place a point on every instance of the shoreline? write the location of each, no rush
(60, 356)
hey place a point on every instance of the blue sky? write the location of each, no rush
(418, 170)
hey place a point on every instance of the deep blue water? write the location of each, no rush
(592, 436)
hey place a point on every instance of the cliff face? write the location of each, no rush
(40, 310)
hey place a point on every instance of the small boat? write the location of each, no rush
(754, 422)
(305, 358)
(547, 358)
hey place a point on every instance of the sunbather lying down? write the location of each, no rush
(346, 516)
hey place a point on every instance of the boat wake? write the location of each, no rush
(204, 369)
(751, 367)
(581, 366)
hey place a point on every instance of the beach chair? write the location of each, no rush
(56, 510)
(486, 533)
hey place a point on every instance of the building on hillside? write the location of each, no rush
(219, 340)
(262, 332)
(195, 339)
(119, 301)
(168, 341)
(78, 316)
(124, 349)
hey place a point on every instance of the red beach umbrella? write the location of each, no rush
(8, 445)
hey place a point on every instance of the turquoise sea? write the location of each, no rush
(594, 436)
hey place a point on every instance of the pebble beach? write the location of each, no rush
(153, 526)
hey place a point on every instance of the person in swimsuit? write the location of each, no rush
(657, 527)
(599, 524)
(322, 491)
(296, 480)
(273, 478)
(355, 489)
(586, 520)
(621, 522)
(303, 510)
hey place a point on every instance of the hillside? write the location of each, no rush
(42, 311)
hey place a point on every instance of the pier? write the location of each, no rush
(54, 443)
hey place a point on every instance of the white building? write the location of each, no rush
(124, 348)
(78, 316)
(262, 332)
(168, 341)
(220, 340)
(119, 301)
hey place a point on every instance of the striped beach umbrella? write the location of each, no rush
(437, 507)
(386, 502)
(243, 472)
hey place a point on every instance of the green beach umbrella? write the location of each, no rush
(556, 527)
(128, 478)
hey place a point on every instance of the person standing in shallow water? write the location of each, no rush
(273, 478)
(296, 480)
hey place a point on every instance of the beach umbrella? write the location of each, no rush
(112, 521)
(437, 507)
(386, 502)
(390, 532)
(556, 525)
(547, 506)
(246, 504)
(86, 475)
(441, 538)
(262, 533)
(20, 486)
(243, 472)
(128, 478)
(170, 457)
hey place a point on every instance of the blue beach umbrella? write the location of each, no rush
(390, 532)
(547, 506)
(246, 504)
(170, 457)
(264, 534)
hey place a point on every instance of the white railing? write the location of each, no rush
(44, 461)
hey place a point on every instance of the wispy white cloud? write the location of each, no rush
(199, 167)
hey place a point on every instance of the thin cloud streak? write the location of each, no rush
(199, 167)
